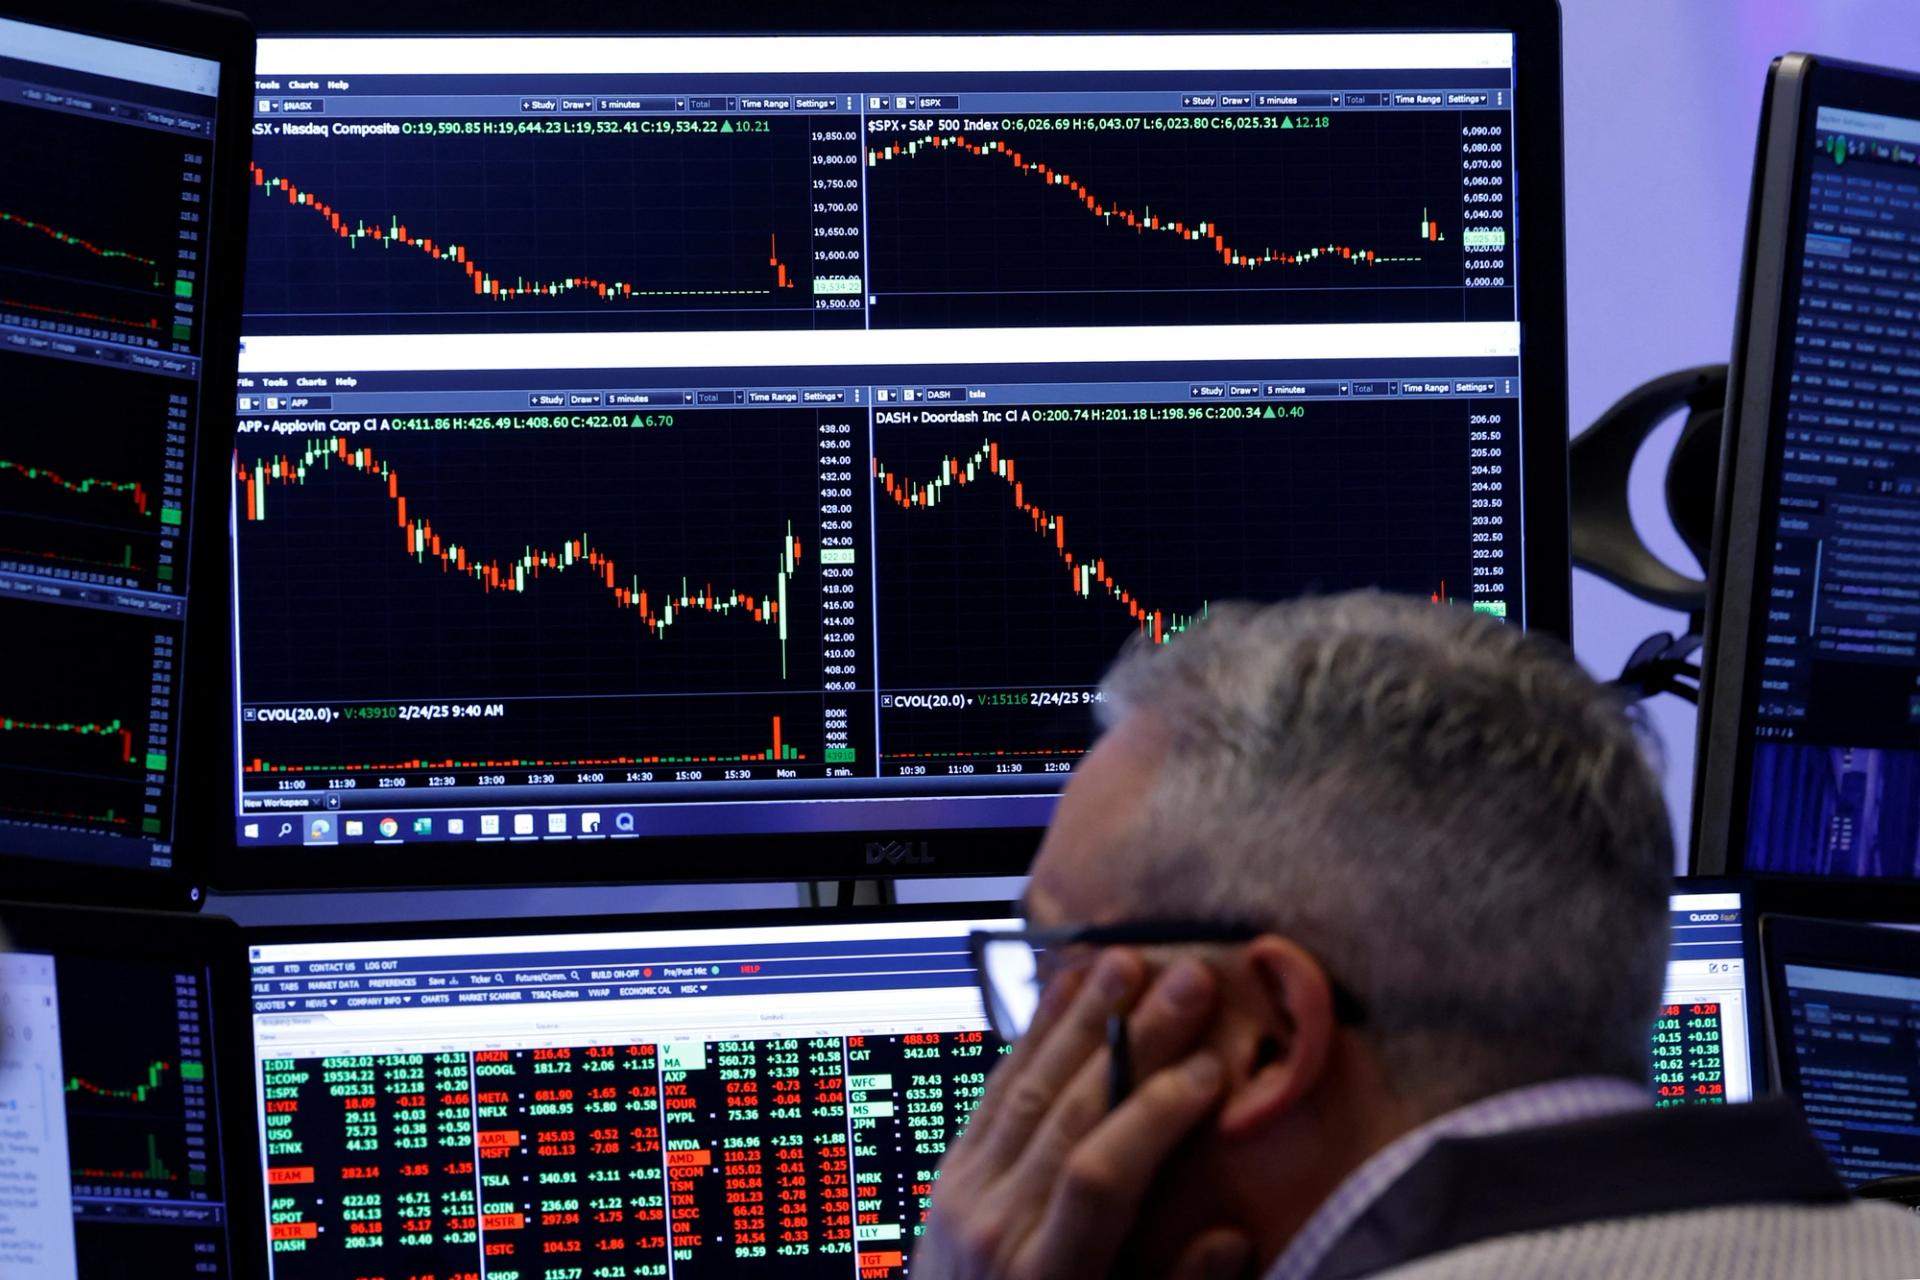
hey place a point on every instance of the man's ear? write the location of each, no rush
(1288, 1052)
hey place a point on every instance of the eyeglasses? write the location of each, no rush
(1013, 969)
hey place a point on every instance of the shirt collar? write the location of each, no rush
(1533, 1106)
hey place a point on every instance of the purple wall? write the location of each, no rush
(1662, 104)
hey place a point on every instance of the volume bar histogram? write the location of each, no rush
(778, 750)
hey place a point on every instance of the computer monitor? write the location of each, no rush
(1703, 1036)
(1843, 1001)
(706, 1096)
(763, 444)
(124, 1106)
(709, 1092)
(121, 208)
(1810, 738)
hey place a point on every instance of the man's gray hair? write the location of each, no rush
(1456, 820)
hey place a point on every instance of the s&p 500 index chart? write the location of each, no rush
(1193, 215)
(569, 218)
(493, 604)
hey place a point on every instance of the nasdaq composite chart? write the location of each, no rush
(104, 189)
(142, 1125)
(717, 200)
(676, 221)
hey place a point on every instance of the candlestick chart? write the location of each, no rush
(1168, 219)
(138, 1087)
(76, 744)
(76, 263)
(519, 226)
(90, 486)
(568, 597)
(1015, 558)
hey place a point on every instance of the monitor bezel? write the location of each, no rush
(201, 687)
(1837, 944)
(1757, 386)
(978, 850)
(209, 941)
(619, 922)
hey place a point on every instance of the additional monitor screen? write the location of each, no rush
(1855, 1052)
(112, 1115)
(106, 166)
(731, 436)
(717, 1100)
(689, 1102)
(1845, 1003)
(1828, 741)
(1703, 1037)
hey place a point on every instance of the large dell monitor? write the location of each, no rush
(125, 1098)
(122, 157)
(1810, 760)
(716, 455)
(724, 1093)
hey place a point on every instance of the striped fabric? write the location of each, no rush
(1536, 1106)
(1857, 1241)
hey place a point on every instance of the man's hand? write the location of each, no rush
(1046, 1182)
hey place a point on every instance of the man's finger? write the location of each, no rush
(1163, 1028)
(1054, 1001)
(1099, 1186)
(1025, 1090)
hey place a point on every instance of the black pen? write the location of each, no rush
(1119, 1061)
